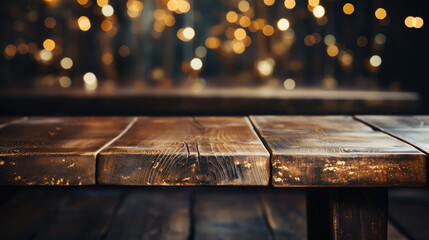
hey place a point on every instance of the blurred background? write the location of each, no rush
(111, 46)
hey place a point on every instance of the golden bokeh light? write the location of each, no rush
(10, 51)
(50, 22)
(362, 41)
(66, 63)
(46, 55)
(107, 58)
(348, 8)
(265, 67)
(238, 46)
(418, 22)
(124, 51)
(243, 6)
(102, 3)
(380, 13)
(375, 61)
(134, 8)
(90, 81)
(313, 3)
(169, 20)
(200, 51)
(244, 21)
(188, 33)
(332, 50)
(159, 26)
(289, 84)
(107, 10)
(22, 48)
(239, 34)
(64, 82)
(196, 64)
(283, 24)
(269, 2)
(212, 43)
(409, 21)
(231, 17)
(82, 2)
(106, 25)
(268, 30)
(49, 44)
(318, 11)
(84, 23)
(289, 4)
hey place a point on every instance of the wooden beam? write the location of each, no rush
(337, 151)
(55, 150)
(186, 151)
(347, 213)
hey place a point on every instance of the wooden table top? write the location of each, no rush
(283, 151)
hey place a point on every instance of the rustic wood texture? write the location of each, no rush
(81, 214)
(311, 151)
(55, 150)
(229, 216)
(4, 121)
(411, 129)
(186, 151)
(286, 214)
(152, 215)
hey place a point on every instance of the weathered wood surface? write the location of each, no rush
(152, 215)
(186, 151)
(229, 216)
(358, 213)
(409, 209)
(81, 214)
(337, 151)
(286, 214)
(4, 121)
(411, 129)
(55, 150)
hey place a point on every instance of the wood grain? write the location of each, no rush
(55, 150)
(152, 215)
(411, 129)
(346, 213)
(186, 151)
(229, 216)
(337, 151)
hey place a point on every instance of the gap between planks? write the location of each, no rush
(380, 129)
(96, 153)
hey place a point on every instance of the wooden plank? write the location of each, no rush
(84, 214)
(55, 150)
(152, 215)
(23, 215)
(286, 214)
(186, 151)
(229, 216)
(409, 208)
(358, 213)
(411, 129)
(329, 155)
(4, 121)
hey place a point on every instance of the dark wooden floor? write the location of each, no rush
(180, 213)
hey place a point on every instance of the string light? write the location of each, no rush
(289, 84)
(66, 63)
(196, 64)
(84, 23)
(348, 8)
(380, 13)
(375, 61)
(289, 4)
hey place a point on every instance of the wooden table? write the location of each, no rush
(345, 162)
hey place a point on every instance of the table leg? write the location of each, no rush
(347, 213)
